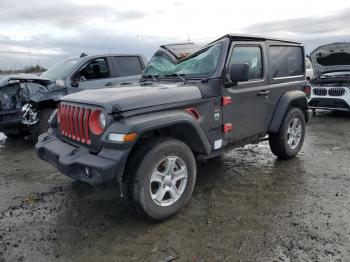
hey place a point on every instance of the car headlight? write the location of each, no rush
(102, 120)
(97, 122)
(60, 83)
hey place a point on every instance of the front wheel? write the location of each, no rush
(161, 176)
(287, 142)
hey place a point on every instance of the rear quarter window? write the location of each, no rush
(286, 61)
(128, 65)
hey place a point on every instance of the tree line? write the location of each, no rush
(27, 70)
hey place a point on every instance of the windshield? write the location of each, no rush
(202, 64)
(159, 62)
(60, 70)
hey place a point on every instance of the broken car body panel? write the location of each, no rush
(23, 92)
(330, 89)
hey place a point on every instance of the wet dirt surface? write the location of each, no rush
(247, 206)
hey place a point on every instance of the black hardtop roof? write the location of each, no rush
(241, 37)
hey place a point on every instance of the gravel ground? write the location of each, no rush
(247, 206)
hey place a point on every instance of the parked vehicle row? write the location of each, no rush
(147, 137)
(27, 101)
(191, 103)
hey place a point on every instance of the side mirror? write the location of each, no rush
(239, 73)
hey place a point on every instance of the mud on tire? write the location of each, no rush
(147, 177)
(287, 142)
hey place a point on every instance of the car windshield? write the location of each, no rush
(60, 70)
(202, 64)
(159, 62)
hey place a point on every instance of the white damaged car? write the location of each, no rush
(330, 87)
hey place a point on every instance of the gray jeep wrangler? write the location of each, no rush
(27, 101)
(147, 137)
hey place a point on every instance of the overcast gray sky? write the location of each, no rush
(45, 32)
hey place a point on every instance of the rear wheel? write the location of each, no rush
(287, 142)
(161, 176)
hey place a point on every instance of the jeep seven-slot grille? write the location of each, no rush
(320, 91)
(74, 122)
(336, 91)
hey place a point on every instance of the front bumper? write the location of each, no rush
(328, 103)
(78, 163)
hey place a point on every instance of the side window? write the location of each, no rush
(286, 61)
(95, 69)
(128, 65)
(250, 55)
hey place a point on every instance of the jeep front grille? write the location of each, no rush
(336, 91)
(74, 122)
(319, 91)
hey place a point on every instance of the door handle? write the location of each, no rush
(263, 93)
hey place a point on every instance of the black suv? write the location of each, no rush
(147, 137)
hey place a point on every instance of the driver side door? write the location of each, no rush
(94, 74)
(249, 107)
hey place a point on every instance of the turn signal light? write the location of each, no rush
(226, 100)
(307, 90)
(122, 137)
(227, 127)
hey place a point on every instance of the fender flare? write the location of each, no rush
(165, 119)
(294, 98)
(150, 122)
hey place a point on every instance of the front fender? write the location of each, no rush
(154, 121)
(293, 98)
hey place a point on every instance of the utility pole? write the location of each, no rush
(30, 57)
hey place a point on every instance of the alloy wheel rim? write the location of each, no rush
(168, 181)
(294, 133)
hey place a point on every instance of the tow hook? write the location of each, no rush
(30, 117)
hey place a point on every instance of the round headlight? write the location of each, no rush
(97, 122)
(102, 120)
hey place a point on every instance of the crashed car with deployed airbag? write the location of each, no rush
(330, 87)
(27, 101)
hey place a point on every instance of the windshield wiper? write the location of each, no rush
(181, 76)
(154, 77)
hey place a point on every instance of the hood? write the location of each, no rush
(136, 97)
(4, 81)
(331, 58)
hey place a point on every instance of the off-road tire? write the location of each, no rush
(42, 125)
(140, 167)
(278, 141)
